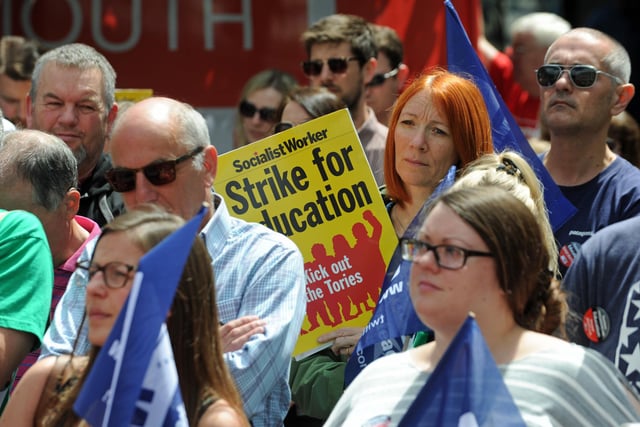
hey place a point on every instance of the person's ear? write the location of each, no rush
(211, 163)
(369, 69)
(403, 74)
(71, 203)
(624, 94)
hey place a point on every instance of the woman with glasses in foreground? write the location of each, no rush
(482, 250)
(208, 392)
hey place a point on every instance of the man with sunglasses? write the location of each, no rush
(342, 57)
(391, 73)
(584, 82)
(162, 155)
(73, 97)
(39, 174)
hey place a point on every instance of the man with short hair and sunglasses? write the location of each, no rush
(584, 82)
(39, 174)
(341, 56)
(391, 74)
(73, 97)
(162, 155)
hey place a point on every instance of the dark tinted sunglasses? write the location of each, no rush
(582, 76)
(379, 79)
(160, 173)
(282, 126)
(336, 65)
(248, 110)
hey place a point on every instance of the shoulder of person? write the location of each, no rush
(221, 414)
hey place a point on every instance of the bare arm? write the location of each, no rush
(237, 332)
(14, 346)
(23, 404)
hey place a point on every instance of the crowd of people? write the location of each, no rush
(86, 189)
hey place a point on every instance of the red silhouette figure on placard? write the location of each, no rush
(317, 272)
(367, 260)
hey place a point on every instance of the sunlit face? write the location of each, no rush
(348, 86)
(103, 304)
(70, 104)
(147, 135)
(567, 109)
(423, 144)
(295, 114)
(442, 298)
(13, 99)
(381, 98)
(255, 128)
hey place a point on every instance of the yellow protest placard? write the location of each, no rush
(313, 184)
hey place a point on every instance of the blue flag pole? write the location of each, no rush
(463, 59)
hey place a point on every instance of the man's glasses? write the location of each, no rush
(115, 274)
(159, 173)
(267, 114)
(582, 76)
(336, 65)
(379, 79)
(447, 256)
(282, 126)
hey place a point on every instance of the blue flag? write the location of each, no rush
(134, 380)
(394, 319)
(465, 389)
(462, 58)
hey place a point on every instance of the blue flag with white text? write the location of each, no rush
(394, 319)
(465, 389)
(134, 380)
(462, 58)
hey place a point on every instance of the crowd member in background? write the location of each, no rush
(51, 387)
(482, 250)
(513, 71)
(72, 96)
(17, 59)
(260, 107)
(162, 154)
(39, 174)
(624, 137)
(583, 84)
(341, 56)
(307, 103)
(391, 74)
(439, 125)
(26, 279)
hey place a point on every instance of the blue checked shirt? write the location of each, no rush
(257, 272)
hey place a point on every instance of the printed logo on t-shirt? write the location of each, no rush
(378, 421)
(568, 253)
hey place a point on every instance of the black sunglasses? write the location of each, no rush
(336, 65)
(282, 126)
(160, 173)
(582, 76)
(267, 114)
(379, 79)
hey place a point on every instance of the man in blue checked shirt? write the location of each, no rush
(161, 154)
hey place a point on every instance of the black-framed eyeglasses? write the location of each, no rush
(582, 76)
(249, 110)
(336, 65)
(282, 126)
(115, 274)
(379, 79)
(158, 173)
(449, 257)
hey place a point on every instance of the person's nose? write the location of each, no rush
(68, 115)
(145, 191)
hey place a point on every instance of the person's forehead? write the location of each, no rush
(575, 49)
(384, 65)
(138, 145)
(62, 80)
(330, 50)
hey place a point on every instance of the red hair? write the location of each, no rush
(461, 102)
